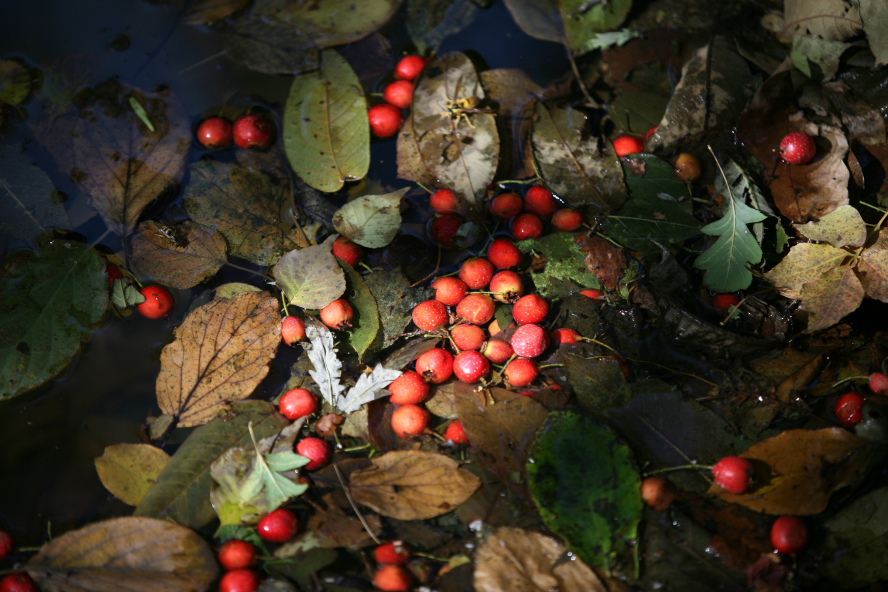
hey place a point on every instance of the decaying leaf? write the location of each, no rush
(179, 256)
(831, 297)
(128, 471)
(368, 388)
(127, 553)
(221, 353)
(327, 369)
(873, 267)
(805, 262)
(835, 20)
(310, 277)
(412, 485)
(841, 227)
(372, 221)
(603, 259)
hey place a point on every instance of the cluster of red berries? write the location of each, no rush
(238, 557)
(392, 575)
(15, 582)
(251, 132)
(387, 118)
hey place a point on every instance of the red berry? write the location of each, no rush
(18, 582)
(430, 315)
(789, 534)
(849, 409)
(526, 226)
(506, 286)
(298, 403)
(114, 273)
(626, 145)
(393, 578)
(529, 341)
(650, 132)
(504, 254)
(409, 67)
(565, 335)
(385, 120)
(456, 433)
(409, 389)
(237, 554)
(797, 148)
(338, 314)
(317, 450)
(532, 308)
(723, 302)
(878, 383)
(444, 229)
(540, 201)
(443, 201)
(158, 302)
(410, 420)
(253, 132)
(214, 133)
(657, 493)
(476, 272)
(521, 372)
(733, 474)
(688, 167)
(497, 351)
(278, 526)
(567, 219)
(470, 366)
(7, 544)
(292, 330)
(435, 366)
(592, 293)
(392, 553)
(476, 308)
(468, 337)
(240, 580)
(399, 93)
(348, 251)
(506, 205)
(449, 290)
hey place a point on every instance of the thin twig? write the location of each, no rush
(354, 506)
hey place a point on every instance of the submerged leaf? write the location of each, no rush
(372, 221)
(128, 471)
(857, 540)
(27, 198)
(310, 277)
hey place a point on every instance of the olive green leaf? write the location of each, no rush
(841, 227)
(310, 277)
(28, 199)
(372, 221)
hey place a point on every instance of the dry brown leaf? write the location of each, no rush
(221, 353)
(873, 267)
(344, 530)
(413, 485)
(603, 259)
(522, 561)
(128, 471)
(180, 256)
(144, 554)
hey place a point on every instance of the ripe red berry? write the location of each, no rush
(567, 219)
(410, 420)
(497, 351)
(470, 366)
(504, 254)
(657, 493)
(443, 201)
(878, 383)
(7, 544)
(526, 225)
(435, 365)
(449, 290)
(317, 450)
(797, 148)
(158, 302)
(399, 93)
(789, 534)
(506, 205)
(476, 308)
(444, 229)
(849, 409)
(521, 372)
(253, 132)
(240, 580)
(409, 67)
(529, 341)
(468, 337)
(476, 272)
(114, 273)
(626, 145)
(531, 308)
(393, 578)
(214, 133)
(409, 389)
(392, 553)
(565, 335)
(278, 526)
(733, 474)
(688, 167)
(506, 286)
(338, 314)
(430, 315)
(592, 293)
(456, 433)
(650, 132)
(723, 302)
(18, 582)
(292, 330)
(540, 201)
(298, 403)
(347, 250)
(385, 120)
(237, 554)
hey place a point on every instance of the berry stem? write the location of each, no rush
(678, 468)
(849, 379)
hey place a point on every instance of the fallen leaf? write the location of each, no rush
(830, 19)
(126, 553)
(412, 485)
(372, 221)
(605, 260)
(310, 277)
(366, 326)
(828, 299)
(805, 262)
(873, 267)
(343, 530)
(857, 538)
(128, 471)
(204, 12)
(221, 353)
(28, 199)
(180, 256)
(842, 227)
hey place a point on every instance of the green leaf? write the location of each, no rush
(124, 294)
(538, 18)
(596, 510)
(804, 263)
(310, 277)
(372, 221)
(564, 262)
(857, 540)
(366, 326)
(395, 300)
(333, 22)
(28, 199)
(50, 303)
(584, 20)
(430, 21)
(725, 261)
(326, 131)
(817, 58)
(278, 488)
(599, 383)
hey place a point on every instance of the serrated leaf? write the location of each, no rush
(278, 488)
(368, 388)
(326, 131)
(372, 221)
(310, 277)
(842, 227)
(831, 297)
(327, 367)
(285, 461)
(805, 262)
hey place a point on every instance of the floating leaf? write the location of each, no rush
(365, 329)
(326, 131)
(310, 277)
(124, 294)
(125, 554)
(841, 227)
(372, 221)
(182, 492)
(49, 305)
(221, 353)
(805, 262)
(17, 82)
(429, 22)
(327, 367)
(180, 256)
(857, 540)
(538, 18)
(28, 199)
(412, 485)
(583, 23)
(128, 471)
(572, 163)
(368, 388)
(831, 297)
(334, 22)
(596, 510)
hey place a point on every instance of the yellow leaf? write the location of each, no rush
(804, 262)
(128, 471)
(833, 295)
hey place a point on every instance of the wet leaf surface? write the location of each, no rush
(128, 471)
(28, 199)
(180, 256)
(429, 22)
(371, 221)
(565, 262)
(366, 326)
(310, 277)
(395, 301)
(856, 541)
